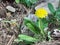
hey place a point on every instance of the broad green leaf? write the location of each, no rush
(17, 1)
(27, 38)
(32, 26)
(51, 8)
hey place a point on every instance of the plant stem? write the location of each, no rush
(42, 29)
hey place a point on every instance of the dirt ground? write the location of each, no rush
(10, 31)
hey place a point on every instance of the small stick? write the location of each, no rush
(12, 38)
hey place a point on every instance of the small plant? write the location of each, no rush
(54, 17)
(38, 27)
(27, 3)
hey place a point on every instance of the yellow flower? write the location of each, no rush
(41, 13)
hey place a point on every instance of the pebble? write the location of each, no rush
(1, 19)
(10, 8)
(56, 33)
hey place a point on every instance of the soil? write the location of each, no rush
(8, 32)
(49, 43)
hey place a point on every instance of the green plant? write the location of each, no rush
(54, 17)
(38, 27)
(27, 3)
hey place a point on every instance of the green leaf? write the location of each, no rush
(28, 3)
(32, 26)
(17, 1)
(18, 40)
(42, 23)
(57, 15)
(51, 8)
(27, 38)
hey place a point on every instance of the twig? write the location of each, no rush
(12, 38)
